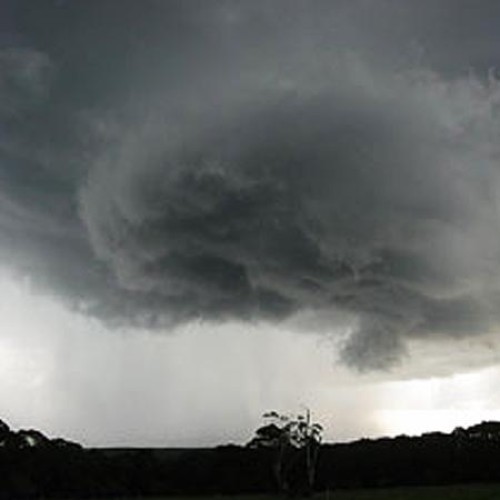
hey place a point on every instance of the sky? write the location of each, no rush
(210, 210)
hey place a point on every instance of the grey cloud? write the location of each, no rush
(253, 174)
(24, 79)
(357, 197)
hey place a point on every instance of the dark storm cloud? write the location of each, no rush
(165, 161)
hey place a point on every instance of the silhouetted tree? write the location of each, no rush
(4, 432)
(297, 441)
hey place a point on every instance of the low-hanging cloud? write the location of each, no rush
(336, 184)
(360, 194)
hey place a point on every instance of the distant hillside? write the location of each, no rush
(34, 466)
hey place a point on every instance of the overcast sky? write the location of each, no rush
(211, 209)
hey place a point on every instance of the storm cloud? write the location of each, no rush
(227, 161)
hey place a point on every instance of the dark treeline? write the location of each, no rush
(33, 466)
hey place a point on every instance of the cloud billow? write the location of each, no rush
(262, 191)
(360, 199)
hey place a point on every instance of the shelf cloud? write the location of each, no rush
(225, 166)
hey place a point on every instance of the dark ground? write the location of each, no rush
(33, 466)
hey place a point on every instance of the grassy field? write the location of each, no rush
(458, 492)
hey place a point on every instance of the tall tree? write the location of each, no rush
(297, 441)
